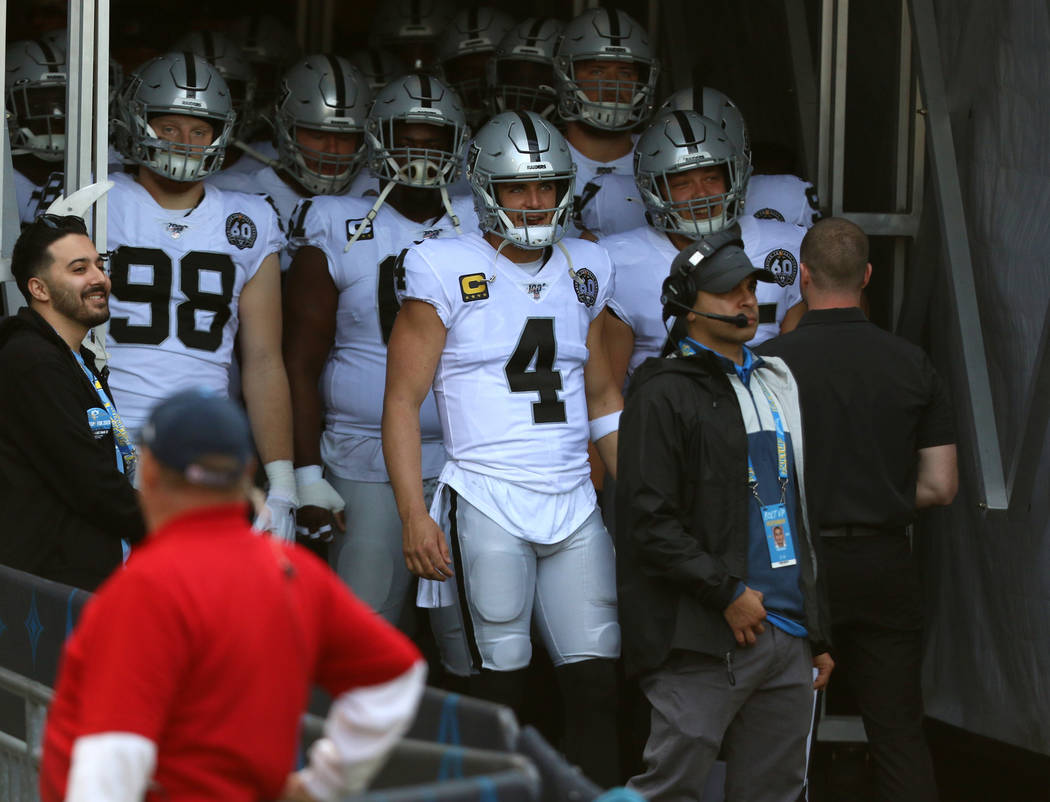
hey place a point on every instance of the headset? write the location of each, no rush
(679, 288)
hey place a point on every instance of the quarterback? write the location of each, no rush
(506, 326)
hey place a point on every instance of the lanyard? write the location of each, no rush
(125, 450)
(782, 466)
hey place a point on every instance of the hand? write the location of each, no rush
(321, 506)
(278, 516)
(824, 665)
(295, 789)
(745, 616)
(426, 552)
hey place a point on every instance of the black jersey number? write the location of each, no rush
(391, 280)
(537, 342)
(158, 295)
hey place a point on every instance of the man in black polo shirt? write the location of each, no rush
(879, 445)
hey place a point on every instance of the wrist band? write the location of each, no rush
(606, 424)
(308, 474)
(281, 475)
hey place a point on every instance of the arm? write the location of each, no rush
(603, 394)
(311, 300)
(793, 316)
(265, 387)
(362, 726)
(619, 345)
(938, 479)
(415, 346)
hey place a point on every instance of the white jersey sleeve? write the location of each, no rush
(773, 246)
(641, 260)
(616, 206)
(509, 383)
(177, 279)
(785, 198)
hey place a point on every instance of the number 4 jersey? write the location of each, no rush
(177, 279)
(509, 384)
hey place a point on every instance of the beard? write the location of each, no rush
(76, 307)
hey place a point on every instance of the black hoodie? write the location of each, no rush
(64, 505)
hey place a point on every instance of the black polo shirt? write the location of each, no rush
(870, 400)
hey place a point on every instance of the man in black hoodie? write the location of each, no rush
(720, 608)
(68, 511)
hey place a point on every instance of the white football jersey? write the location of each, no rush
(509, 384)
(786, 198)
(33, 200)
(616, 210)
(177, 279)
(642, 260)
(263, 181)
(365, 276)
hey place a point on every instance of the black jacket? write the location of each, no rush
(64, 506)
(682, 514)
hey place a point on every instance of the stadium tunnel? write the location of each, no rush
(923, 121)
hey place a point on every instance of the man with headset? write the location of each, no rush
(721, 623)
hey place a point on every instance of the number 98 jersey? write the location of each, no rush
(177, 279)
(509, 384)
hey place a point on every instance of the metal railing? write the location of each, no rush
(20, 759)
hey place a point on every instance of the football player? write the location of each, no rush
(773, 195)
(410, 28)
(521, 71)
(464, 51)
(35, 86)
(506, 327)
(340, 307)
(605, 74)
(692, 178)
(320, 123)
(193, 269)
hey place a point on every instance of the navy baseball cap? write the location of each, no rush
(717, 265)
(203, 436)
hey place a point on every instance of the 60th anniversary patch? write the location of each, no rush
(241, 231)
(783, 265)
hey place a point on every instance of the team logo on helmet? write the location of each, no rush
(586, 285)
(769, 214)
(783, 265)
(240, 230)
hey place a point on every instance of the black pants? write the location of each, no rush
(876, 612)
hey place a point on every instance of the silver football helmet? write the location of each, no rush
(678, 142)
(464, 51)
(415, 98)
(35, 87)
(410, 29)
(226, 56)
(183, 84)
(378, 66)
(601, 34)
(270, 47)
(513, 147)
(521, 71)
(321, 93)
(715, 105)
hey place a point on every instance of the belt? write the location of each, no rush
(862, 531)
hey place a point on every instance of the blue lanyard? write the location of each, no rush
(125, 450)
(782, 466)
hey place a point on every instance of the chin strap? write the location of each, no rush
(364, 224)
(572, 273)
(448, 208)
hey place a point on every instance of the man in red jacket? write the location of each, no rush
(187, 674)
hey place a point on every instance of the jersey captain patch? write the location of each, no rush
(783, 266)
(586, 285)
(474, 287)
(352, 225)
(241, 231)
